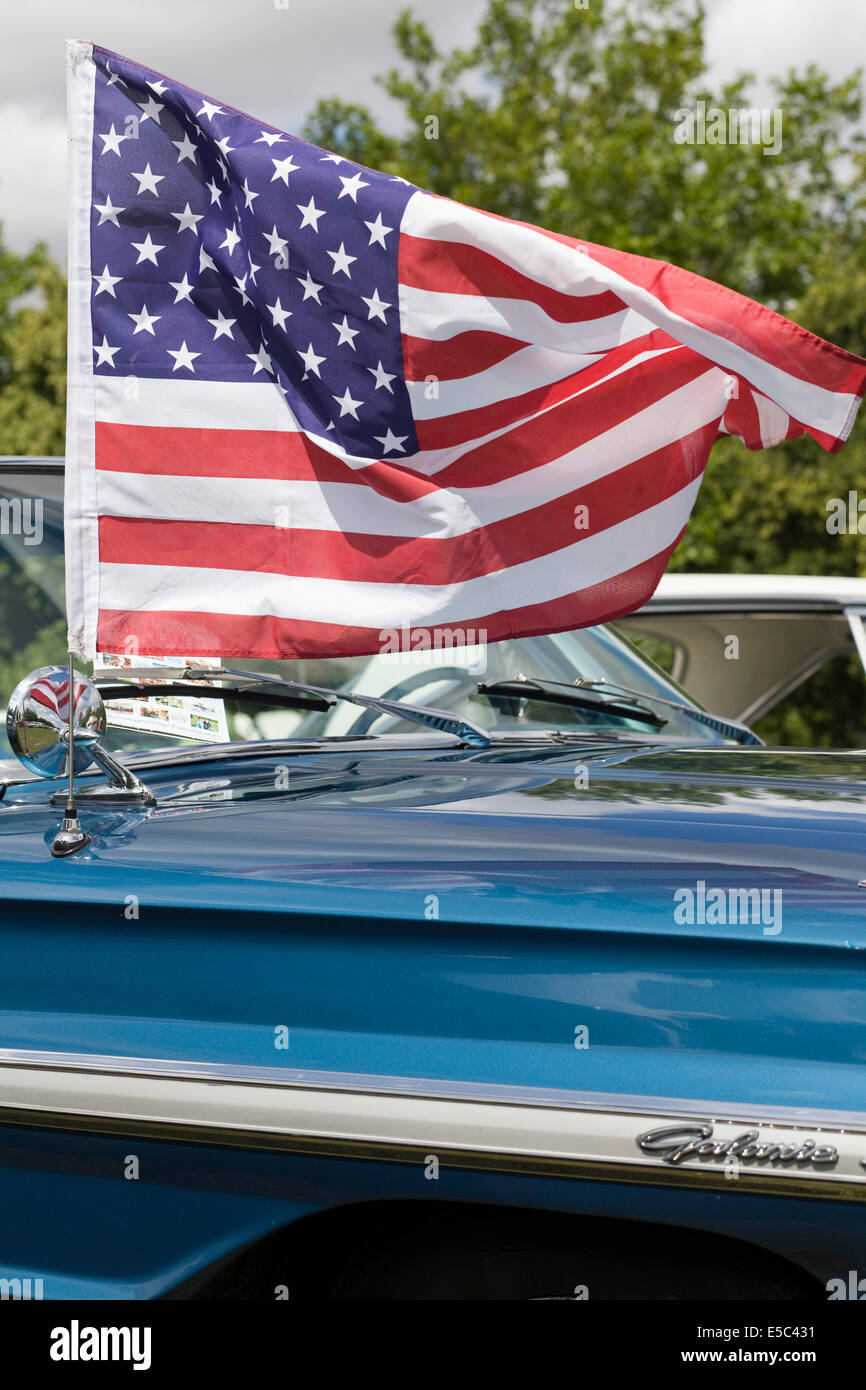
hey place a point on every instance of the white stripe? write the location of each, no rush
(439, 316)
(571, 271)
(433, 461)
(81, 522)
(151, 588)
(773, 420)
(216, 405)
(521, 372)
(352, 507)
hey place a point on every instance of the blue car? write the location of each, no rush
(454, 972)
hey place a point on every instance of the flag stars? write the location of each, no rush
(188, 220)
(348, 406)
(147, 181)
(392, 443)
(144, 321)
(183, 358)
(104, 353)
(107, 212)
(347, 334)
(236, 211)
(342, 261)
(282, 169)
(351, 187)
(310, 215)
(279, 314)
(106, 282)
(150, 110)
(383, 378)
(184, 289)
(147, 250)
(277, 245)
(378, 232)
(311, 362)
(222, 326)
(376, 307)
(311, 289)
(186, 150)
(112, 141)
(231, 240)
(262, 361)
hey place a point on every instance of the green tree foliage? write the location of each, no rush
(32, 353)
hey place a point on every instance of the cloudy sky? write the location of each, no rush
(275, 58)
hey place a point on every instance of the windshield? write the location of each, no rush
(32, 634)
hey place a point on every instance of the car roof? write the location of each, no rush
(751, 590)
(32, 463)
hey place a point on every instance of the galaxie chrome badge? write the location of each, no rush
(678, 1143)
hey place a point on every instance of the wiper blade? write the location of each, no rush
(264, 685)
(257, 692)
(731, 728)
(560, 693)
(571, 694)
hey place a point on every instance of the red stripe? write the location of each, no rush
(276, 454)
(730, 315)
(463, 355)
(451, 430)
(575, 421)
(524, 536)
(451, 267)
(270, 638)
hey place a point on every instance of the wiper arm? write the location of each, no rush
(579, 696)
(560, 693)
(261, 686)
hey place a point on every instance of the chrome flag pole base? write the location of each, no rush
(69, 838)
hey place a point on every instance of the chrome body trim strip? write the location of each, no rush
(404, 1120)
(434, 1088)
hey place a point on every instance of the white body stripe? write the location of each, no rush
(421, 1116)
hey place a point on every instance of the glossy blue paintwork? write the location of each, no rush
(435, 913)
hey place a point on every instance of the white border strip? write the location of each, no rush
(80, 511)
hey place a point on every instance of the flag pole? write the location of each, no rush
(70, 837)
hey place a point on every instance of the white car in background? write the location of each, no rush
(739, 643)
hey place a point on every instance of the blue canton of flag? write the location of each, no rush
(228, 251)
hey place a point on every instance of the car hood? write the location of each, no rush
(580, 835)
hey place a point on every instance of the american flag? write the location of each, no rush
(311, 404)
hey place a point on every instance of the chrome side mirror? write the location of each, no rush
(37, 723)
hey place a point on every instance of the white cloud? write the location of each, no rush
(32, 178)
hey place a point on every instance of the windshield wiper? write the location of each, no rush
(560, 693)
(579, 696)
(264, 687)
